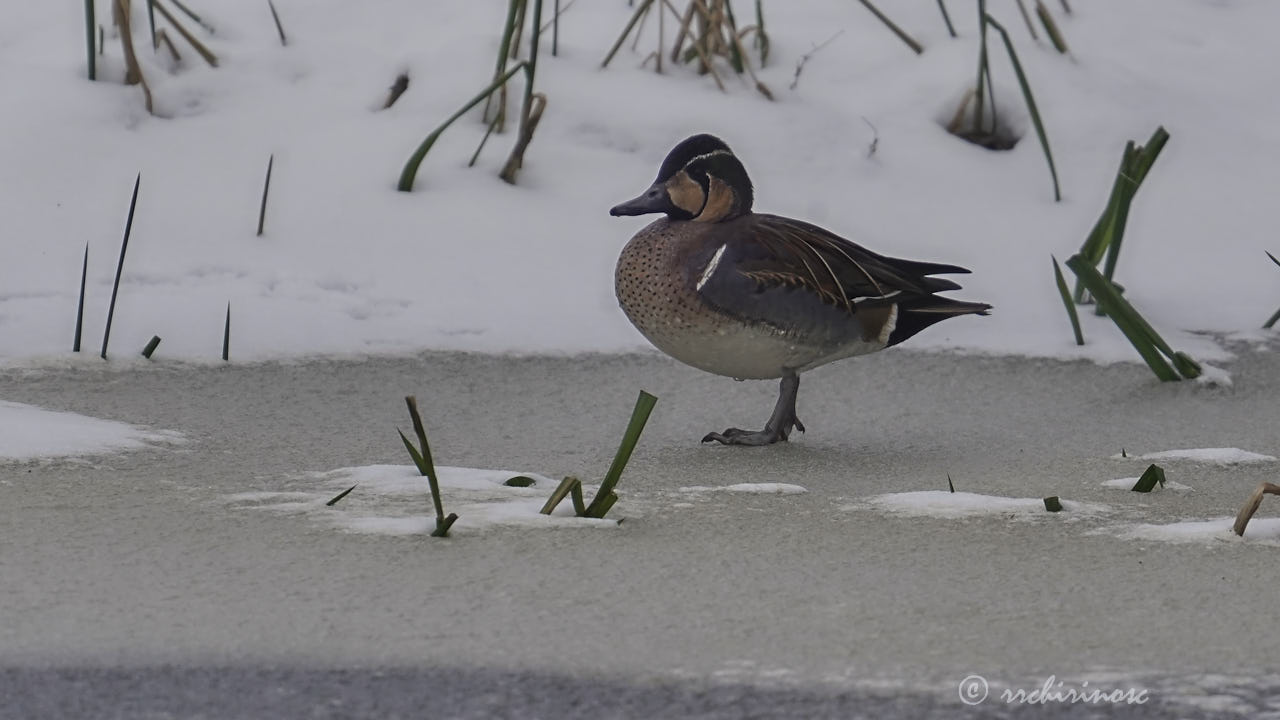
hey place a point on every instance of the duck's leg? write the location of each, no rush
(780, 422)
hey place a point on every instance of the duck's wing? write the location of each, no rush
(780, 250)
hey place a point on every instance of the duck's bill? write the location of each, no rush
(653, 200)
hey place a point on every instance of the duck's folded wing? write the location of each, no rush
(783, 251)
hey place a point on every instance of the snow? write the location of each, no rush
(1261, 531)
(1208, 456)
(396, 500)
(1127, 483)
(749, 488)
(347, 265)
(958, 505)
(28, 433)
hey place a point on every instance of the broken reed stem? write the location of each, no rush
(226, 336)
(133, 73)
(151, 22)
(644, 17)
(205, 53)
(762, 37)
(567, 485)
(151, 347)
(89, 22)
(736, 43)
(903, 36)
(685, 22)
(163, 37)
(805, 57)
(124, 245)
(517, 31)
(946, 18)
(476, 155)
(279, 28)
(187, 11)
(1251, 507)
(635, 18)
(504, 48)
(550, 25)
(84, 275)
(1051, 28)
(266, 186)
(533, 105)
(1066, 7)
(527, 126)
(397, 89)
(1026, 18)
(555, 31)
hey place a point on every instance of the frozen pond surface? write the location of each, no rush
(142, 570)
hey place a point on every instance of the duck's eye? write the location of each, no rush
(656, 194)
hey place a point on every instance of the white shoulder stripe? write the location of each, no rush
(711, 267)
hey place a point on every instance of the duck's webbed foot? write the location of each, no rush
(780, 424)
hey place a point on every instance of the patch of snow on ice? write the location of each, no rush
(949, 505)
(1263, 531)
(1210, 375)
(396, 500)
(1209, 456)
(1128, 483)
(28, 432)
(750, 488)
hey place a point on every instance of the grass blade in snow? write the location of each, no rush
(1266, 326)
(1066, 300)
(84, 275)
(639, 416)
(124, 245)
(422, 458)
(410, 170)
(1031, 103)
(1108, 232)
(902, 35)
(266, 185)
(279, 28)
(226, 336)
(89, 40)
(339, 496)
(946, 18)
(1144, 339)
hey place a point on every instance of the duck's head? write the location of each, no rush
(700, 180)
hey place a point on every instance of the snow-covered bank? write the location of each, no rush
(349, 265)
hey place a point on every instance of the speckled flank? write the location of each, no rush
(656, 285)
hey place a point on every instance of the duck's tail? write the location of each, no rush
(919, 313)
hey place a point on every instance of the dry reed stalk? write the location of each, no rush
(1251, 507)
(133, 73)
(208, 56)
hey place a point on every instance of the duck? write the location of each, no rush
(750, 295)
